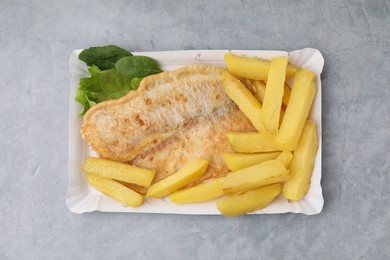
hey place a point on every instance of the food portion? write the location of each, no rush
(250, 201)
(116, 190)
(285, 157)
(248, 126)
(286, 95)
(258, 175)
(302, 165)
(103, 57)
(178, 180)
(297, 111)
(253, 68)
(237, 161)
(258, 87)
(119, 171)
(199, 193)
(272, 103)
(247, 103)
(252, 142)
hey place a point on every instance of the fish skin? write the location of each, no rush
(174, 117)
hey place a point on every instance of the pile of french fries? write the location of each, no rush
(278, 158)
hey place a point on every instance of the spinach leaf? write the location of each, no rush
(105, 64)
(103, 57)
(137, 66)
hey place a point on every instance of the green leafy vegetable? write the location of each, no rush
(101, 86)
(103, 57)
(111, 80)
(135, 82)
(114, 72)
(105, 64)
(113, 85)
(86, 93)
(137, 66)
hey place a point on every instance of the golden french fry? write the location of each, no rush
(286, 96)
(248, 202)
(247, 83)
(252, 142)
(285, 157)
(281, 116)
(301, 99)
(244, 99)
(118, 171)
(253, 68)
(274, 91)
(115, 190)
(302, 165)
(255, 176)
(199, 193)
(259, 86)
(237, 161)
(178, 180)
(227, 75)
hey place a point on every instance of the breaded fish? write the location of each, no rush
(171, 119)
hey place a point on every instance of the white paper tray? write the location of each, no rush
(81, 197)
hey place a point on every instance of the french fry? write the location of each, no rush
(116, 190)
(244, 99)
(118, 171)
(260, 89)
(247, 83)
(237, 161)
(178, 180)
(301, 99)
(255, 176)
(273, 96)
(260, 86)
(252, 142)
(253, 68)
(285, 157)
(286, 96)
(227, 75)
(248, 202)
(281, 117)
(302, 165)
(199, 193)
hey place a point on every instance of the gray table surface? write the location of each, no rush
(36, 39)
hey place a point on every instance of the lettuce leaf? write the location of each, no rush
(87, 92)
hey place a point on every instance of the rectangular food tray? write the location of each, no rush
(81, 197)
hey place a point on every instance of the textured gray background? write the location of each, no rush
(36, 39)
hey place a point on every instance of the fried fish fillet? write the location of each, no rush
(171, 119)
